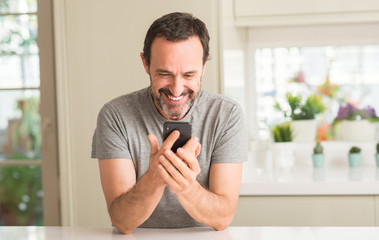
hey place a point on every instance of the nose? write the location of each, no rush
(177, 86)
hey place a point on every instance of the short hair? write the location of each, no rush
(175, 27)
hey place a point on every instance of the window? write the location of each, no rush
(352, 72)
(299, 59)
(23, 193)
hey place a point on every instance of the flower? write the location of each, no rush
(328, 89)
(350, 112)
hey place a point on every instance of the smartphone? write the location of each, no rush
(185, 133)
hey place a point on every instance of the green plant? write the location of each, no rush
(318, 149)
(21, 195)
(282, 132)
(299, 109)
(355, 149)
(377, 148)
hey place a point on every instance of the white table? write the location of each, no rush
(231, 233)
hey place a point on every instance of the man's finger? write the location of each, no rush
(192, 144)
(198, 150)
(170, 140)
(154, 145)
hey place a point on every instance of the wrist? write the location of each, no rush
(154, 180)
(192, 191)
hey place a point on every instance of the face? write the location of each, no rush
(176, 69)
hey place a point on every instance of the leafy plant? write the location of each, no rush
(282, 132)
(21, 195)
(318, 149)
(355, 149)
(351, 112)
(299, 109)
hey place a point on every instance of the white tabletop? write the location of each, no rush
(231, 233)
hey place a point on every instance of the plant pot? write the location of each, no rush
(318, 160)
(357, 130)
(304, 130)
(354, 159)
(377, 159)
(284, 155)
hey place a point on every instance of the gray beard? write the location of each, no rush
(168, 109)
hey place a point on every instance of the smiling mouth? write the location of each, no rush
(175, 98)
(171, 97)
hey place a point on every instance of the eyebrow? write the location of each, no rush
(166, 71)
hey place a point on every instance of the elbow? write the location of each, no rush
(223, 223)
(123, 229)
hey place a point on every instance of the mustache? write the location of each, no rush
(169, 93)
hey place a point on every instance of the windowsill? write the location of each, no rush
(336, 178)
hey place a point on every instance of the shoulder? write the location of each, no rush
(124, 106)
(133, 97)
(219, 102)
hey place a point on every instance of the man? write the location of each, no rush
(145, 183)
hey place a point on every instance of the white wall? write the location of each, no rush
(97, 58)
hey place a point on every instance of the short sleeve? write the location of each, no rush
(231, 146)
(110, 137)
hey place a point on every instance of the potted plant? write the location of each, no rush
(283, 145)
(355, 156)
(302, 113)
(318, 157)
(377, 154)
(356, 124)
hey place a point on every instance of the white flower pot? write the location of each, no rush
(304, 130)
(283, 153)
(357, 130)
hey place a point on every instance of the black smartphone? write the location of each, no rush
(185, 133)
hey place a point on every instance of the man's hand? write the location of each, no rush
(180, 170)
(156, 152)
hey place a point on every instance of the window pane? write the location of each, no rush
(233, 70)
(19, 62)
(20, 136)
(20, 196)
(354, 69)
(18, 6)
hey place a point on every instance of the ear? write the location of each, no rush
(204, 67)
(144, 63)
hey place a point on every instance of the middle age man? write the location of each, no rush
(145, 183)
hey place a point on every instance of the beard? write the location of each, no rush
(174, 110)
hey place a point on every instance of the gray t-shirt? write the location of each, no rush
(124, 123)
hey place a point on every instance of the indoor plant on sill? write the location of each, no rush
(356, 124)
(318, 157)
(283, 148)
(354, 157)
(302, 113)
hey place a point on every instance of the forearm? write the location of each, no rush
(207, 207)
(131, 209)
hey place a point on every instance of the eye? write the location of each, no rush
(164, 74)
(188, 76)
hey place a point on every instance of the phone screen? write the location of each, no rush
(185, 133)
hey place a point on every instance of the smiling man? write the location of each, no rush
(145, 183)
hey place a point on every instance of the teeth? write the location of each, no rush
(175, 98)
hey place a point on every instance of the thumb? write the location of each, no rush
(154, 145)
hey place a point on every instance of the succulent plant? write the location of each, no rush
(355, 149)
(282, 132)
(318, 149)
